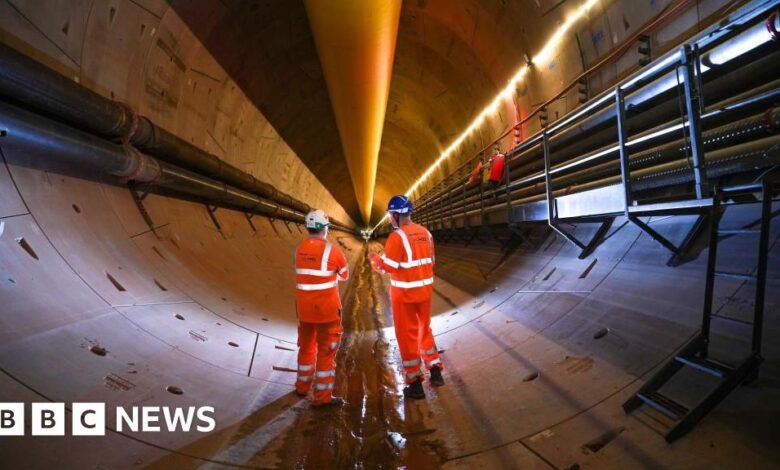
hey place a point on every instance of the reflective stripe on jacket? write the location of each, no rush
(409, 259)
(319, 266)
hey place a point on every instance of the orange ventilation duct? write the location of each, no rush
(355, 41)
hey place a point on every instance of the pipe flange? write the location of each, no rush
(770, 26)
(139, 168)
(126, 130)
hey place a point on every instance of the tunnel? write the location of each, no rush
(610, 300)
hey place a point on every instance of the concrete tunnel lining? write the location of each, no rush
(544, 337)
(498, 319)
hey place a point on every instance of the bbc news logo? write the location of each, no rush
(89, 419)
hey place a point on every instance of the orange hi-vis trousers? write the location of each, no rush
(318, 343)
(415, 339)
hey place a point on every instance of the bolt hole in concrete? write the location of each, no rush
(600, 442)
(531, 377)
(175, 390)
(178, 316)
(26, 247)
(233, 343)
(76, 208)
(601, 333)
(98, 350)
(116, 283)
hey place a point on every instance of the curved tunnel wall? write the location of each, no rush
(96, 307)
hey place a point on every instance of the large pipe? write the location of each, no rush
(32, 85)
(355, 42)
(35, 141)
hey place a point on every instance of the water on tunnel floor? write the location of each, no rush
(376, 428)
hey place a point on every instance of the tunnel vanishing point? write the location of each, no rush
(610, 298)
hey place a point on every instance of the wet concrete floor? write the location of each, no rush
(376, 429)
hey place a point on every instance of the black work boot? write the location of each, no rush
(436, 379)
(414, 390)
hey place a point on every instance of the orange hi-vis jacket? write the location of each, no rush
(318, 267)
(409, 259)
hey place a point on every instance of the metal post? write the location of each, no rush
(441, 211)
(625, 172)
(547, 180)
(763, 254)
(693, 100)
(709, 282)
(551, 216)
(463, 205)
(452, 218)
(481, 197)
(507, 170)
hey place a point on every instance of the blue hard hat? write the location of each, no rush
(400, 205)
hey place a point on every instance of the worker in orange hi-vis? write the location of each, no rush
(409, 259)
(319, 266)
(497, 163)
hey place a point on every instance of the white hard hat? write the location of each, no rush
(317, 219)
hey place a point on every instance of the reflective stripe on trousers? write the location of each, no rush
(327, 386)
(320, 374)
(411, 363)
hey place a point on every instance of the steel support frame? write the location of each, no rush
(138, 199)
(249, 217)
(552, 218)
(211, 210)
(694, 128)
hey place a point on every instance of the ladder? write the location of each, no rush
(695, 354)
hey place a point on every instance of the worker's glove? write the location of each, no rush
(376, 262)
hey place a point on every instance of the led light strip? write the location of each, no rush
(543, 56)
